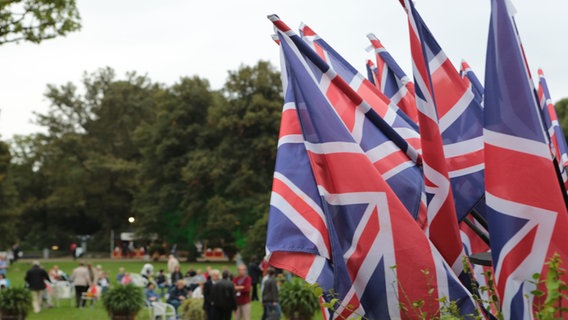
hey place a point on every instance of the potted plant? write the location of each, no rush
(297, 300)
(124, 302)
(15, 303)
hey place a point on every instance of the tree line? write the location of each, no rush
(188, 162)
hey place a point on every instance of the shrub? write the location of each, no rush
(297, 300)
(124, 300)
(15, 301)
(192, 309)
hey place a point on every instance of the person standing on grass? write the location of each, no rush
(35, 280)
(255, 274)
(270, 299)
(242, 288)
(211, 280)
(223, 298)
(73, 250)
(173, 262)
(82, 281)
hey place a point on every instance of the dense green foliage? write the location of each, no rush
(192, 309)
(562, 112)
(124, 300)
(37, 20)
(15, 301)
(188, 162)
(297, 300)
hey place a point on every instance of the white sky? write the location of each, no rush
(168, 39)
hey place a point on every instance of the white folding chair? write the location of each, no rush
(163, 311)
(63, 290)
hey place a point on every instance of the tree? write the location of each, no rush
(230, 175)
(165, 144)
(562, 112)
(37, 20)
(187, 161)
(208, 159)
(80, 177)
(8, 198)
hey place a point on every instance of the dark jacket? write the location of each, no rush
(270, 292)
(160, 279)
(207, 294)
(176, 292)
(36, 277)
(254, 272)
(223, 295)
(175, 276)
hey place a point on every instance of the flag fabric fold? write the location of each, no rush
(380, 103)
(526, 211)
(457, 114)
(400, 171)
(392, 81)
(471, 78)
(382, 261)
(442, 228)
(553, 128)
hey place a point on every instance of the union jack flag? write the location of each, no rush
(380, 103)
(372, 72)
(526, 211)
(392, 81)
(429, 64)
(470, 78)
(458, 115)
(552, 125)
(401, 172)
(378, 251)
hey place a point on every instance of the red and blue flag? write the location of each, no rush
(526, 211)
(471, 78)
(382, 262)
(397, 168)
(429, 63)
(553, 128)
(392, 81)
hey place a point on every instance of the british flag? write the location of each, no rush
(555, 133)
(392, 81)
(525, 207)
(443, 227)
(470, 78)
(380, 103)
(371, 72)
(401, 172)
(382, 261)
(458, 115)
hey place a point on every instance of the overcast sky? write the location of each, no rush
(168, 39)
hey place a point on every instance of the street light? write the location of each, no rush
(131, 219)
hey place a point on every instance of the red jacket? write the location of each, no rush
(243, 296)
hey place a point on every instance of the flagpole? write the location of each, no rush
(560, 181)
(477, 231)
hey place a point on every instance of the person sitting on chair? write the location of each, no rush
(178, 294)
(150, 293)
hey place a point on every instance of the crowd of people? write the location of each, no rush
(221, 293)
(88, 283)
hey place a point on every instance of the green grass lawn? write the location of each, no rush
(67, 309)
